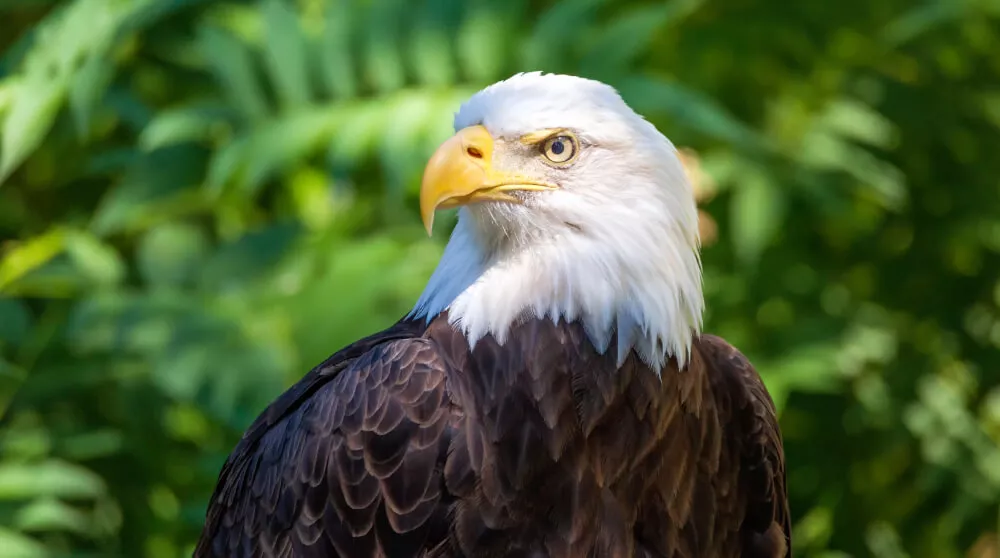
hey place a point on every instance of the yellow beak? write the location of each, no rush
(461, 172)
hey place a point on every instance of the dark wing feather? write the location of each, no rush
(766, 526)
(347, 462)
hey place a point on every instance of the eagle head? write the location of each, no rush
(572, 207)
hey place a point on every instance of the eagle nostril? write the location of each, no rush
(474, 152)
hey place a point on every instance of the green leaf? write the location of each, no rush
(79, 30)
(8, 91)
(652, 96)
(383, 60)
(11, 380)
(624, 39)
(226, 164)
(15, 321)
(233, 66)
(171, 254)
(358, 133)
(16, 545)
(47, 514)
(409, 115)
(55, 478)
(284, 141)
(29, 256)
(285, 54)
(97, 261)
(882, 180)
(147, 194)
(30, 115)
(430, 51)
(92, 444)
(484, 38)
(556, 28)
(990, 103)
(143, 14)
(809, 368)
(857, 121)
(249, 258)
(87, 90)
(757, 210)
(182, 125)
(336, 63)
(920, 20)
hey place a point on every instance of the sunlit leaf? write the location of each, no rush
(357, 133)
(87, 89)
(309, 190)
(859, 122)
(806, 369)
(30, 255)
(54, 478)
(79, 30)
(225, 164)
(881, 179)
(409, 117)
(28, 119)
(284, 140)
(49, 514)
(16, 545)
(181, 125)
(97, 261)
(757, 211)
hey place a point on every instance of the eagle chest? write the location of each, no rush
(560, 447)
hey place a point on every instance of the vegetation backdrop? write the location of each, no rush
(200, 200)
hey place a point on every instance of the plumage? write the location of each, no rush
(504, 416)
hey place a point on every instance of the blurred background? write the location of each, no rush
(200, 200)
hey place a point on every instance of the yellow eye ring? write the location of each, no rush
(560, 149)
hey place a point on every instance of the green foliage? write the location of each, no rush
(200, 200)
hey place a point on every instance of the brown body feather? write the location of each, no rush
(409, 444)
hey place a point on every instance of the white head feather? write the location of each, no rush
(615, 247)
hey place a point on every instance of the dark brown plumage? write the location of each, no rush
(409, 444)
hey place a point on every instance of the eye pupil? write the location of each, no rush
(559, 150)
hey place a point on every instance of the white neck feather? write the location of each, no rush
(643, 281)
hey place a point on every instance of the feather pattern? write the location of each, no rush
(409, 443)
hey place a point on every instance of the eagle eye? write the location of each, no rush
(560, 149)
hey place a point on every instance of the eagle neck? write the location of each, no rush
(653, 304)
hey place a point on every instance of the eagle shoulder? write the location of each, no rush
(766, 528)
(347, 462)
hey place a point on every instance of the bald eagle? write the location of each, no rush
(550, 394)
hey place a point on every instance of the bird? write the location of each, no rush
(551, 393)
